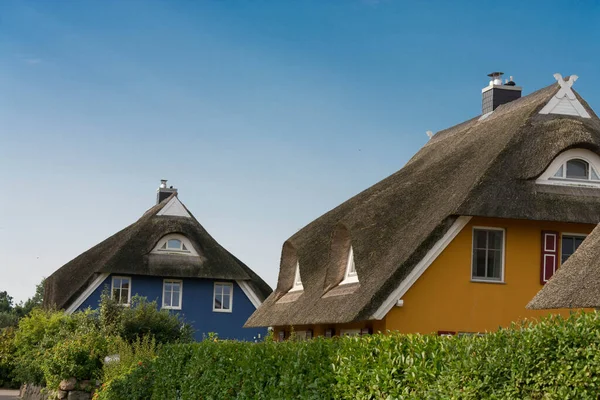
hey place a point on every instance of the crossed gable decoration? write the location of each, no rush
(564, 101)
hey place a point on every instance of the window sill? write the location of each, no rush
(487, 281)
(171, 308)
(223, 311)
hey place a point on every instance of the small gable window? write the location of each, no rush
(175, 244)
(577, 167)
(297, 279)
(172, 292)
(121, 289)
(351, 276)
(223, 297)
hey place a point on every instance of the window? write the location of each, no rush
(569, 243)
(350, 276)
(297, 280)
(172, 293)
(121, 289)
(223, 297)
(488, 254)
(175, 244)
(577, 167)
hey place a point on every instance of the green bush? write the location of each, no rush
(37, 334)
(143, 318)
(555, 359)
(7, 350)
(79, 356)
(50, 345)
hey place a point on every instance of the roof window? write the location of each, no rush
(351, 276)
(297, 280)
(575, 167)
(175, 244)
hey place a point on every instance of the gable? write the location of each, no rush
(174, 208)
(564, 102)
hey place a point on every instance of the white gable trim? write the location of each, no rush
(174, 208)
(249, 292)
(421, 267)
(565, 102)
(86, 293)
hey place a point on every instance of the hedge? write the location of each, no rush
(556, 358)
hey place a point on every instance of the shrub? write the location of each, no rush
(80, 356)
(554, 359)
(143, 318)
(37, 334)
(7, 350)
(131, 377)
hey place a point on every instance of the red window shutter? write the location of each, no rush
(549, 255)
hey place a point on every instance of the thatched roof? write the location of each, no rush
(128, 252)
(477, 168)
(576, 284)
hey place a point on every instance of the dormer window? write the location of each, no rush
(175, 244)
(297, 280)
(351, 276)
(575, 167)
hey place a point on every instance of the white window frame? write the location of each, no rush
(191, 251)
(593, 160)
(297, 284)
(112, 288)
(350, 332)
(230, 297)
(503, 255)
(349, 276)
(582, 235)
(180, 282)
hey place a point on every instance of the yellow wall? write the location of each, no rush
(445, 299)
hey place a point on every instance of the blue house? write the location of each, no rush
(166, 256)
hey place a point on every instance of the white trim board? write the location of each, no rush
(249, 292)
(86, 293)
(174, 208)
(421, 267)
(565, 102)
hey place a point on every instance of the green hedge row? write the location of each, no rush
(554, 359)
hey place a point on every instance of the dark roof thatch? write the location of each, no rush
(477, 168)
(576, 284)
(128, 252)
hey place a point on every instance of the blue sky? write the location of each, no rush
(264, 114)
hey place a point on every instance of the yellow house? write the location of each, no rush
(462, 237)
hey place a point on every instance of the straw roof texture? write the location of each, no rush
(477, 168)
(128, 252)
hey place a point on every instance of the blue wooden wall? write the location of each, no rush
(197, 306)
